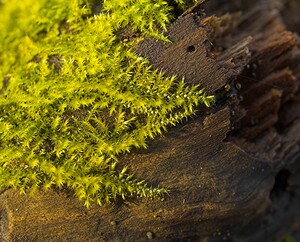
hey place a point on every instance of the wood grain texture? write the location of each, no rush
(193, 162)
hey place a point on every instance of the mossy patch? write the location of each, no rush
(75, 96)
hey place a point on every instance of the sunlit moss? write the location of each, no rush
(75, 96)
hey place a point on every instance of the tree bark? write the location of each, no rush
(233, 170)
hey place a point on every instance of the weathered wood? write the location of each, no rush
(233, 171)
(188, 54)
(193, 162)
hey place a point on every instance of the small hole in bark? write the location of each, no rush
(191, 48)
(281, 183)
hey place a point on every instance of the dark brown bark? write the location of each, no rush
(233, 171)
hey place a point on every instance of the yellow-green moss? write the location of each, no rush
(74, 95)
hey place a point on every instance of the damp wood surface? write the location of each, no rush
(233, 170)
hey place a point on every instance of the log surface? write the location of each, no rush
(233, 170)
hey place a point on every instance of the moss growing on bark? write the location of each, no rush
(74, 96)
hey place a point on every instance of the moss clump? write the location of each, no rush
(74, 95)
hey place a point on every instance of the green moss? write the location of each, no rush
(75, 96)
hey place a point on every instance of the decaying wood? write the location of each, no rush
(233, 171)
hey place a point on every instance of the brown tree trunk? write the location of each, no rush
(233, 170)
